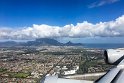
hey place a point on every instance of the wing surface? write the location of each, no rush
(55, 79)
(114, 75)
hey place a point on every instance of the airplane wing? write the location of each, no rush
(55, 79)
(114, 75)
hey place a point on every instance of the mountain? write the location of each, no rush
(49, 42)
(73, 44)
(39, 42)
(8, 44)
(43, 42)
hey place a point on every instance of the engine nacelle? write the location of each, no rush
(114, 56)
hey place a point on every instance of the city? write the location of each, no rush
(30, 64)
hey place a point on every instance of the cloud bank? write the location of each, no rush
(80, 30)
(101, 3)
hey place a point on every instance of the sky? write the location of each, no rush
(87, 21)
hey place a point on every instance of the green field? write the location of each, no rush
(18, 75)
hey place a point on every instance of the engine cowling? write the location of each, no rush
(114, 56)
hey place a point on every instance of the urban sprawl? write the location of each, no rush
(31, 64)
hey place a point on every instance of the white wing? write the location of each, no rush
(115, 75)
(55, 79)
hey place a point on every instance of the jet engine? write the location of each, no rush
(114, 56)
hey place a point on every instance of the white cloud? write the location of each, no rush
(101, 3)
(85, 29)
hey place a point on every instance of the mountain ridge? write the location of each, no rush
(39, 42)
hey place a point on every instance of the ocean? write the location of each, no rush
(104, 46)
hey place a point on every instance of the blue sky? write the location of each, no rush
(21, 14)
(16, 13)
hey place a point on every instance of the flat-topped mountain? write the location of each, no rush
(39, 42)
(43, 42)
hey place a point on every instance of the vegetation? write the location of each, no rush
(54, 53)
(3, 70)
(18, 74)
